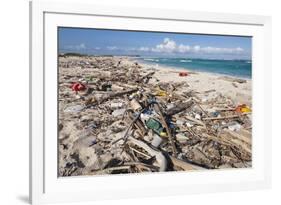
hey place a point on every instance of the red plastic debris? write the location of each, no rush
(182, 74)
(78, 87)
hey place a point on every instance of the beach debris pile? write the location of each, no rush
(125, 120)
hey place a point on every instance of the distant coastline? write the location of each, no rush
(238, 68)
(66, 54)
(233, 68)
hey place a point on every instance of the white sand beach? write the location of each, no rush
(239, 90)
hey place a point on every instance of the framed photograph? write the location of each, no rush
(129, 102)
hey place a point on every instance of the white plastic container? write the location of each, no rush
(156, 141)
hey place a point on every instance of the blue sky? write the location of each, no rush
(153, 44)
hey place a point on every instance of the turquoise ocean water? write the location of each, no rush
(236, 68)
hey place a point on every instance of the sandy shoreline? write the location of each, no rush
(147, 64)
(240, 93)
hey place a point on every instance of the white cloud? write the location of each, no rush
(81, 46)
(184, 48)
(111, 47)
(222, 50)
(196, 48)
(170, 46)
(238, 49)
(144, 49)
(78, 47)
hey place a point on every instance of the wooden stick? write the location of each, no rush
(226, 117)
(117, 94)
(112, 95)
(127, 131)
(243, 138)
(146, 76)
(139, 152)
(163, 119)
(202, 109)
(185, 165)
(138, 124)
(141, 164)
(179, 108)
(199, 122)
(110, 169)
(160, 158)
(225, 109)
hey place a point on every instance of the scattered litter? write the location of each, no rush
(161, 93)
(135, 105)
(180, 122)
(197, 116)
(107, 86)
(183, 74)
(156, 141)
(116, 105)
(234, 126)
(78, 87)
(243, 109)
(74, 108)
(129, 121)
(215, 114)
(119, 112)
(155, 125)
(189, 124)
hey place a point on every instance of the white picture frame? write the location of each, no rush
(46, 187)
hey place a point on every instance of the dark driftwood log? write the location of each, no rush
(112, 95)
(146, 76)
(226, 117)
(166, 126)
(185, 165)
(117, 94)
(179, 108)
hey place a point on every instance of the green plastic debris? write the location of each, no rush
(89, 78)
(155, 125)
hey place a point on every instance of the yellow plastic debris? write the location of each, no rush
(163, 134)
(161, 93)
(245, 109)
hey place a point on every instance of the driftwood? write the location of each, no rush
(238, 140)
(166, 126)
(146, 76)
(142, 165)
(226, 117)
(245, 139)
(199, 122)
(202, 109)
(138, 124)
(160, 158)
(179, 108)
(225, 109)
(125, 137)
(117, 94)
(139, 152)
(110, 169)
(111, 95)
(209, 91)
(228, 141)
(230, 79)
(185, 165)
